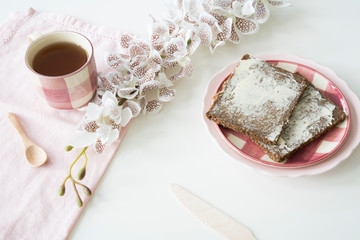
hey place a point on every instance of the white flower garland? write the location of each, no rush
(144, 70)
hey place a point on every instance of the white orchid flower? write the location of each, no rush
(102, 123)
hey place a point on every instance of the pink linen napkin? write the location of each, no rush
(30, 207)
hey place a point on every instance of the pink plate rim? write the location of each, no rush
(331, 159)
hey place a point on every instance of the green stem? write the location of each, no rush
(122, 101)
(79, 183)
(77, 193)
(81, 153)
(66, 179)
(86, 159)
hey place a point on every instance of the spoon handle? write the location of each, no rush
(16, 124)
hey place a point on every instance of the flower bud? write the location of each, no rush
(79, 202)
(62, 190)
(68, 148)
(87, 191)
(81, 173)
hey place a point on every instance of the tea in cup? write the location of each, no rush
(62, 66)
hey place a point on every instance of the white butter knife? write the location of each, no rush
(217, 220)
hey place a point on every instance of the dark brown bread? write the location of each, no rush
(257, 99)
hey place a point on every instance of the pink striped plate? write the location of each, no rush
(315, 152)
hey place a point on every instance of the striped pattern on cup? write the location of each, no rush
(70, 91)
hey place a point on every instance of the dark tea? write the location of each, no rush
(58, 59)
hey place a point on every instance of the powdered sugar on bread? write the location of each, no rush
(257, 99)
(258, 92)
(313, 116)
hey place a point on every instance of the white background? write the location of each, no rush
(133, 200)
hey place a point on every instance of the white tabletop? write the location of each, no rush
(133, 200)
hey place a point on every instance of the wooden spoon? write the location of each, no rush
(35, 155)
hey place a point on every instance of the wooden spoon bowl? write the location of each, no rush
(35, 155)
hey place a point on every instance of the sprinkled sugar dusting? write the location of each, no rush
(312, 116)
(258, 99)
(258, 92)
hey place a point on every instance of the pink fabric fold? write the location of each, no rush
(30, 207)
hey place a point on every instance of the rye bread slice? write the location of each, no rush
(313, 116)
(257, 99)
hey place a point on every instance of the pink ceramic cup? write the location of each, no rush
(68, 91)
